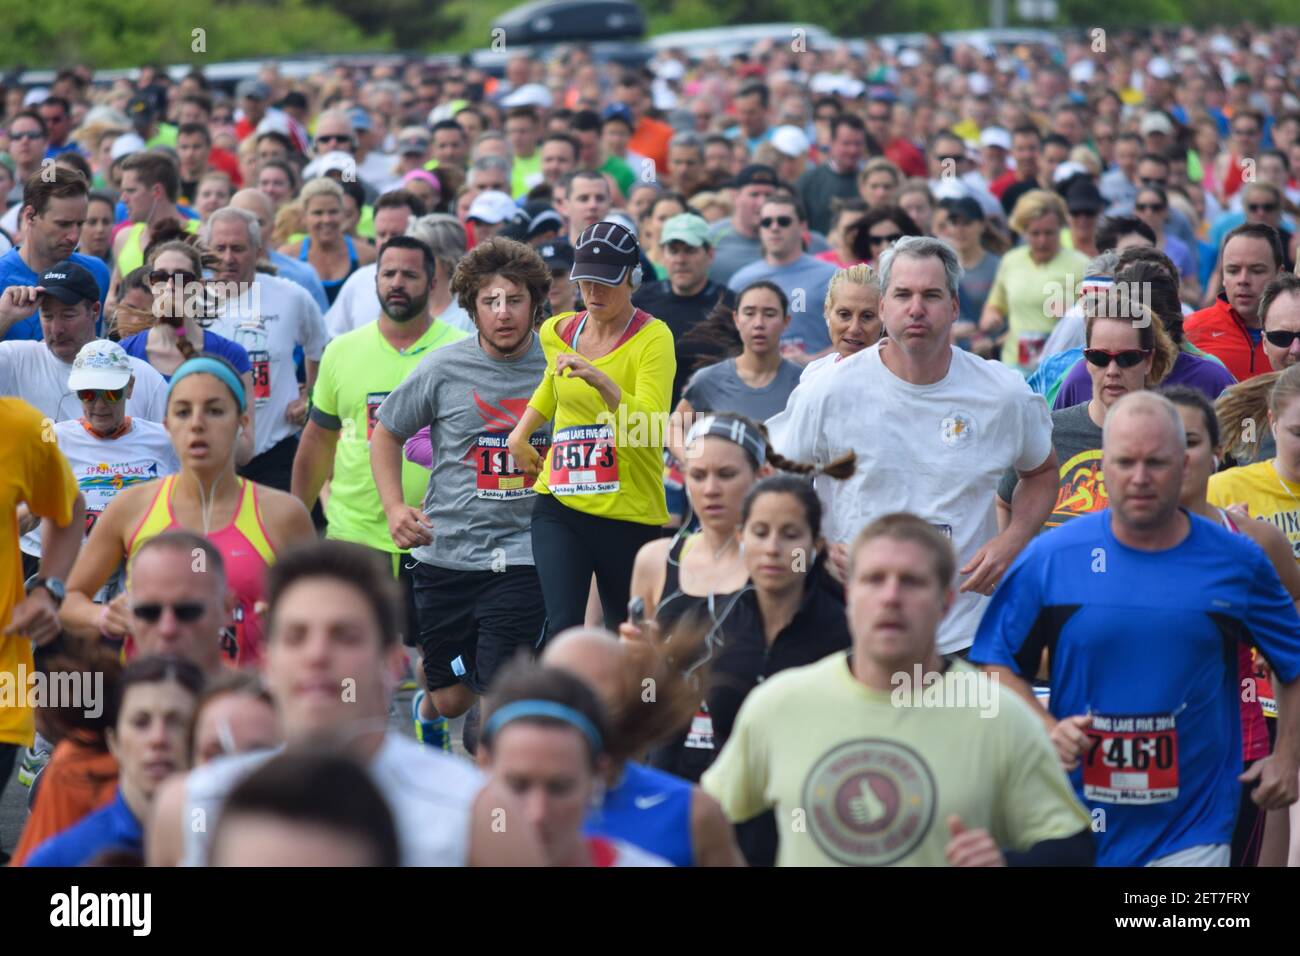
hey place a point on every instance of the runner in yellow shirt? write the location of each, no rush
(607, 385)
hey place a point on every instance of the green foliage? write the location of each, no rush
(115, 33)
(120, 33)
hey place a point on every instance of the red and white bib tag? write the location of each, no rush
(498, 475)
(1131, 759)
(584, 461)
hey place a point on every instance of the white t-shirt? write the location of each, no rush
(30, 371)
(430, 793)
(358, 303)
(104, 467)
(817, 365)
(269, 320)
(937, 451)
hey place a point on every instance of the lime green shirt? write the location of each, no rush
(357, 371)
(525, 174)
(166, 136)
(1033, 297)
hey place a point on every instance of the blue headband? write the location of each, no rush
(209, 366)
(543, 708)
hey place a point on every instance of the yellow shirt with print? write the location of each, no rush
(36, 473)
(643, 367)
(856, 779)
(1264, 492)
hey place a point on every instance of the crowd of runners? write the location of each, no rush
(806, 458)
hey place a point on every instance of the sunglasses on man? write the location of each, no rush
(1126, 358)
(187, 612)
(890, 239)
(783, 222)
(1281, 338)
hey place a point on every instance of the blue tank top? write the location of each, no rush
(649, 809)
(332, 286)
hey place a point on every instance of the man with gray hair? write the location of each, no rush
(269, 317)
(686, 164)
(1139, 609)
(489, 174)
(933, 428)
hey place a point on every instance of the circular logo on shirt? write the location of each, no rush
(957, 428)
(870, 802)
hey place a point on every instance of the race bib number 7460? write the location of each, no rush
(1131, 759)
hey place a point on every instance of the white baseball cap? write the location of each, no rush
(790, 141)
(100, 364)
(125, 145)
(996, 137)
(335, 161)
(530, 94)
(1160, 69)
(978, 84)
(492, 206)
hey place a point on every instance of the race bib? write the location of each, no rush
(261, 362)
(584, 461)
(1031, 347)
(373, 401)
(1131, 759)
(700, 736)
(499, 477)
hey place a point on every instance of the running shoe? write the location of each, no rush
(33, 762)
(431, 733)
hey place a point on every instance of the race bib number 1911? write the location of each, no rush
(1131, 759)
(584, 461)
(499, 477)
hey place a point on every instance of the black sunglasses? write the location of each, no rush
(1149, 181)
(1281, 338)
(1149, 206)
(891, 238)
(33, 134)
(162, 277)
(1125, 359)
(770, 221)
(333, 139)
(186, 611)
(1262, 206)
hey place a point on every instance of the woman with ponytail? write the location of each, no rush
(248, 523)
(174, 330)
(789, 614)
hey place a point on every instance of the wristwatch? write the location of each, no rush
(53, 586)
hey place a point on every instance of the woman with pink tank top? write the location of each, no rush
(249, 524)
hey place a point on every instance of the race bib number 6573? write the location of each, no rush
(584, 461)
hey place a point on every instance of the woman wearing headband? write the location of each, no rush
(683, 577)
(545, 740)
(249, 524)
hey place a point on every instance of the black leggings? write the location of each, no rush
(568, 546)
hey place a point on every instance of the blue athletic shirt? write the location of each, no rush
(1146, 642)
(138, 346)
(13, 271)
(113, 827)
(650, 809)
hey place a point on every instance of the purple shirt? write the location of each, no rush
(1201, 374)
